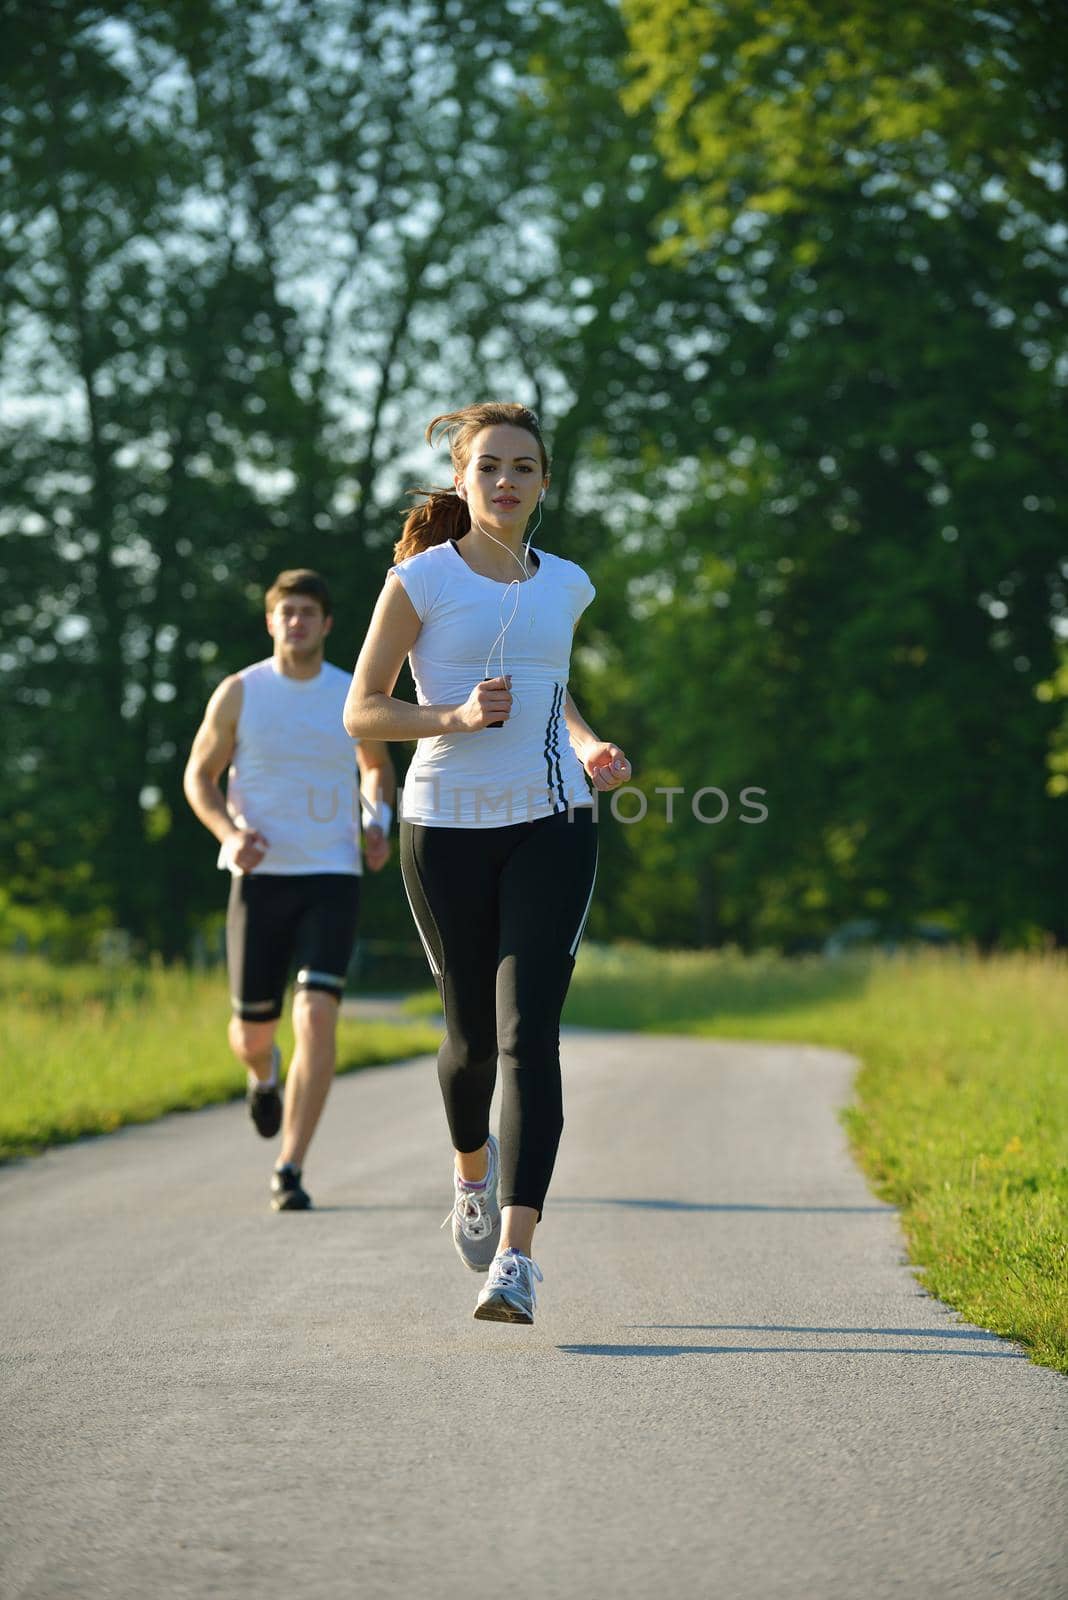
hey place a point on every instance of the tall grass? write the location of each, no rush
(87, 1049)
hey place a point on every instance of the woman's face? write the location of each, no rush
(503, 477)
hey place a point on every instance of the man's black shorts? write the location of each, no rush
(276, 923)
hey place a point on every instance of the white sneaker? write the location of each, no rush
(509, 1292)
(476, 1216)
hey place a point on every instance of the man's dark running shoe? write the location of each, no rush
(287, 1191)
(264, 1100)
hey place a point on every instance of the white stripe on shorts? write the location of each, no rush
(309, 975)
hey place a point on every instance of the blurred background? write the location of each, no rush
(786, 284)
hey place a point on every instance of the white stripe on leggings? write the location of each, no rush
(429, 954)
(585, 914)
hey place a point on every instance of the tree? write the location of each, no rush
(245, 234)
(882, 194)
(781, 284)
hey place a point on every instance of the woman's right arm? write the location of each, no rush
(372, 712)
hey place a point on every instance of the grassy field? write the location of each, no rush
(961, 1110)
(84, 1049)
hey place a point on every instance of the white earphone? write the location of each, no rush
(506, 622)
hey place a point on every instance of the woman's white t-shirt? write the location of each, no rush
(527, 769)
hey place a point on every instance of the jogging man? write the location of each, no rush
(289, 830)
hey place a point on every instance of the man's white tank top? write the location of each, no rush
(293, 775)
(527, 769)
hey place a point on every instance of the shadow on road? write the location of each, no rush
(773, 1350)
(776, 1327)
(643, 1204)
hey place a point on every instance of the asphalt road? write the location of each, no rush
(735, 1386)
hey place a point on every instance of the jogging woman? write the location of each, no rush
(498, 841)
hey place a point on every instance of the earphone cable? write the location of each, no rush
(513, 585)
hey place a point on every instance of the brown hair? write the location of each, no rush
(442, 514)
(299, 580)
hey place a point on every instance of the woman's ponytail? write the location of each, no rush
(442, 515)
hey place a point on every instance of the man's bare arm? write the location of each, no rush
(212, 752)
(378, 793)
(378, 776)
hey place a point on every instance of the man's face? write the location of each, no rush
(297, 624)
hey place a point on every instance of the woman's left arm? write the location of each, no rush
(606, 764)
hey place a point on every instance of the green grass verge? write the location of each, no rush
(84, 1050)
(961, 1108)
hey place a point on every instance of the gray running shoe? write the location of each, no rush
(509, 1292)
(476, 1217)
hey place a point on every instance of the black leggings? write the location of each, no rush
(500, 912)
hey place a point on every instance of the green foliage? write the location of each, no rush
(876, 579)
(127, 1044)
(244, 233)
(1053, 690)
(766, 108)
(783, 283)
